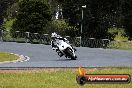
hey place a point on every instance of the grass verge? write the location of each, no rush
(56, 78)
(4, 56)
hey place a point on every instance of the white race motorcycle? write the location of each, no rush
(66, 49)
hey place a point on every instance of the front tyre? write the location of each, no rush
(70, 54)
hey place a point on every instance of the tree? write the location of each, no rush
(72, 11)
(4, 4)
(33, 16)
(11, 11)
(127, 11)
(98, 16)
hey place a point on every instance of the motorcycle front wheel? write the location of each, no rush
(70, 54)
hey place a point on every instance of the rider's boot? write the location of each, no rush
(75, 49)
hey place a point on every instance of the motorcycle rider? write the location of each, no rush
(54, 37)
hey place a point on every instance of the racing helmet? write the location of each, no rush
(54, 35)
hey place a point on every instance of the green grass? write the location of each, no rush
(4, 56)
(56, 79)
(120, 45)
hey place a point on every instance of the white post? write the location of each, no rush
(81, 30)
(82, 27)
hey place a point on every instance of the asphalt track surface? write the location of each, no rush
(43, 56)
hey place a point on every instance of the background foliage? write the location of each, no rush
(32, 16)
(39, 16)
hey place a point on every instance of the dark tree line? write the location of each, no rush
(127, 12)
(4, 4)
(99, 15)
(32, 16)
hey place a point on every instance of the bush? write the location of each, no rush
(61, 27)
(117, 34)
(8, 24)
(120, 39)
(120, 45)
